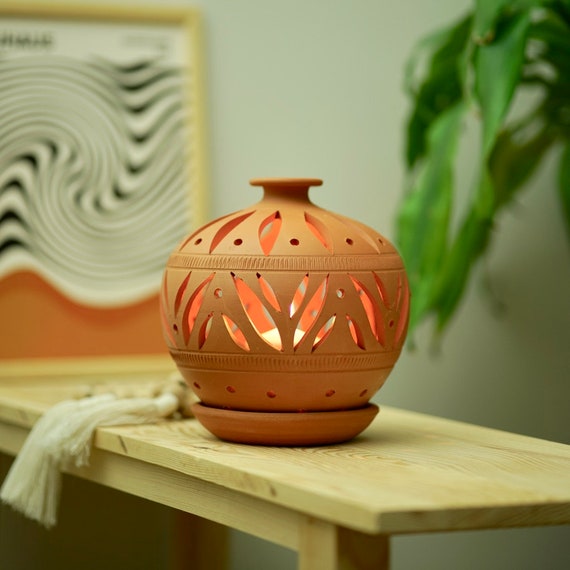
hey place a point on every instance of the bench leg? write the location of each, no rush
(326, 546)
(198, 544)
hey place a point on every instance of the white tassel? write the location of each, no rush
(62, 437)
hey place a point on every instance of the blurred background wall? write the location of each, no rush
(314, 88)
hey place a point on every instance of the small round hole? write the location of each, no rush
(218, 293)
(330, 393)
(271, 394)
(391, 324)
(231, 389)
(340, 293)
(198, 241)
(238, 241)
(175, 328)
(294, 241)
(349, 241)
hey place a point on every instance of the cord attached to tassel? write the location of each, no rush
(62, 437)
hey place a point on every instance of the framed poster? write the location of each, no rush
(101, 174)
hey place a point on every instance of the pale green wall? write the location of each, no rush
(314, 88)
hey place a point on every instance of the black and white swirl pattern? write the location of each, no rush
(93, 174)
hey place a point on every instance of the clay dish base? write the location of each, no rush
(285, 428)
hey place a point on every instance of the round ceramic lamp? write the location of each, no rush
(285, 318)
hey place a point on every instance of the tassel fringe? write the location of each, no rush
(62, 438)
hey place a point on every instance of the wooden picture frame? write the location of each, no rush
(102, 172)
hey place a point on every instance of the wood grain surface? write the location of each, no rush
(407, 473)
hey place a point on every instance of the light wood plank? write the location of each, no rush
(173, 489)
(408, 472)
(393, 480)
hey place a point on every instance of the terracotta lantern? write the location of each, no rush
(285, 318)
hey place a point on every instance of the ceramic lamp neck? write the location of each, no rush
(286, 188)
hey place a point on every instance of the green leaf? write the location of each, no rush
(470, 242)
(425, 49)
(440, 85)
(552, 34)
(487, 53)
(498, 70)
(511, 163)
(552, 31)
(488, 13)
(514, 159)
(423, 220)
(564, 184)
(562, 7)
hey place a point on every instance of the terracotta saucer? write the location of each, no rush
(285, 428)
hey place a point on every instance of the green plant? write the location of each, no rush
(474, 69)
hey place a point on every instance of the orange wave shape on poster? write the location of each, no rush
(36, 321)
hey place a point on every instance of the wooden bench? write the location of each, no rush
(337, 506)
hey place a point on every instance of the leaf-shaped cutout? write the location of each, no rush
(356, 230)
(323, 333)
(404, 294)
(399, 291)
(195, 234)
(312, 311)
(268, 231)
(180, 293)
(371, 309)
(258, 315)
(205, 330)
(235, 333)
(299, 295)
(193, 306)
(268, 292)
(382, 291)
(320, 230)
(355, 332)
(227, 228)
